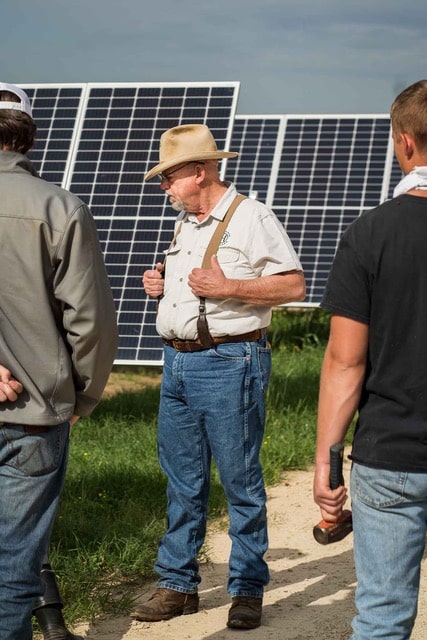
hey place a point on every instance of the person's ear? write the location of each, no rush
(408, 145)
(200, 172)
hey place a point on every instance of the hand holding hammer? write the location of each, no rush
(327, 532)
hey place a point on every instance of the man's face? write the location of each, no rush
(179, 184)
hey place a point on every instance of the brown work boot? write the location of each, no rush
(165, 604)
(245, 613)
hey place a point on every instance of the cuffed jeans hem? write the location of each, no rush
(161, 584)
(247, 594)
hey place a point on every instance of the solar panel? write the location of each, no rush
(325, 170)
(258, 141)
(56, 110)
(102, 152)
(317, 172)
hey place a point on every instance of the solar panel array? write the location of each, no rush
(316, 172)
(98, 141)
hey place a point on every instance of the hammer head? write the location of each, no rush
(328, 532)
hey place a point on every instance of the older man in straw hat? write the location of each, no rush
(215, 304)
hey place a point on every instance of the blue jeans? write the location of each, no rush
(389, 520)
(32, 468)
(212, 407)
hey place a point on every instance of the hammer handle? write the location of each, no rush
(336, 453)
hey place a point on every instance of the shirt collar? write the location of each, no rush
(221, 207)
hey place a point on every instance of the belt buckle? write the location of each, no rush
(180, 345)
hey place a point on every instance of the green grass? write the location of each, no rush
(112, 512)
(291, 411)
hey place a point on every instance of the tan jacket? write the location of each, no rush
(58, 329)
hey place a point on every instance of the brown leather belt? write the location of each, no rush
(196, 345)
(29, 428)
(34, 428)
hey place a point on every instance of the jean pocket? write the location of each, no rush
(378, 488)
(37, 452)
(264, 365)
(231, 351)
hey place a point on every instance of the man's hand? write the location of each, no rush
(9, 387)
(330, 501)
(208, 283)
(267, 291)
(153, 282)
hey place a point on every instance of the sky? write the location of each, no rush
(290, 56)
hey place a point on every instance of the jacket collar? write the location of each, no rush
(11, 161)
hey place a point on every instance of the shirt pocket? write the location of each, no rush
(174, 248)
(226, 256)
(234, 264)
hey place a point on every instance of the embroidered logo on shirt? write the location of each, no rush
(225, 238)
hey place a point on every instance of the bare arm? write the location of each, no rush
(341, 381)
(268, 291)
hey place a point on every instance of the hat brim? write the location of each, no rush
(166, 164)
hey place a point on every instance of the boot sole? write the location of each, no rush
(146, 617)
(243, 624)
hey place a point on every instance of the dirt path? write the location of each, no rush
(310, 595)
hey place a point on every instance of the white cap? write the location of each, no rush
(24, 105)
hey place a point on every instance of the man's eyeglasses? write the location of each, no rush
(166, 176)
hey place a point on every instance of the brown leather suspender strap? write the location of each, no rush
(213, 246)
(172, 244)
(173, 241)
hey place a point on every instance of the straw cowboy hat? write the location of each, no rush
(186, 143)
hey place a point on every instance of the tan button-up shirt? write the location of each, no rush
(255, 244)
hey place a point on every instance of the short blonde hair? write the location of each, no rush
(408, 113)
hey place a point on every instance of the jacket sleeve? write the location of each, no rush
(89, 321)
